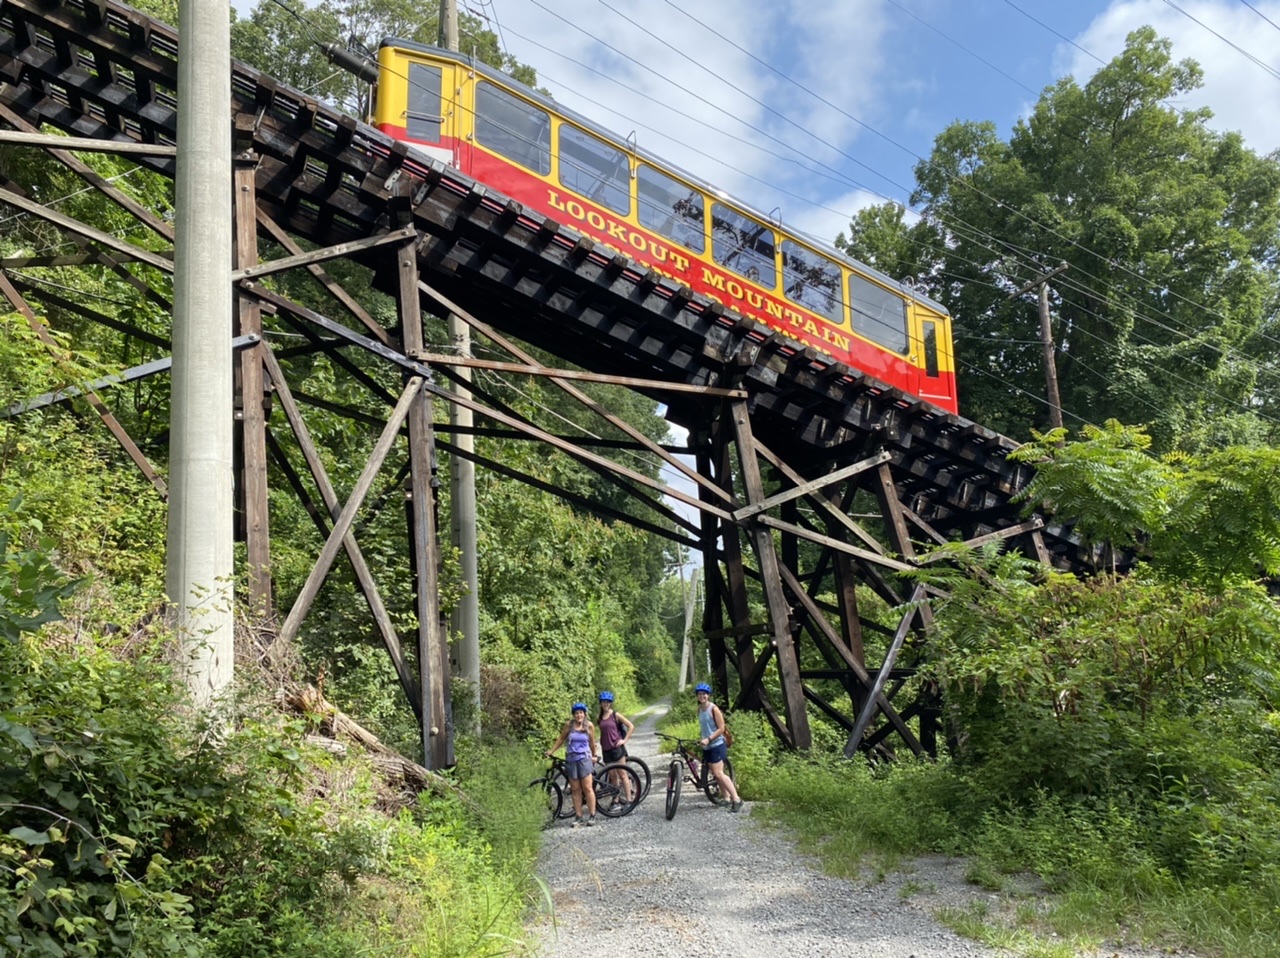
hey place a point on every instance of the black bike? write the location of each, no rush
(608, 782)
(688, 764)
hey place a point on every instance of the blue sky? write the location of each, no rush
(729, 89)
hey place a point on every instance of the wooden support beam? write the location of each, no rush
(86, 145)
(364, 578)
(1038, 548)
(124, 376)
(334, 288)
(420, 369)
(77, 228)
(872, 557)
(734, 589)
(811, 486)
(875, 696)
(822, 502)
(92, 176)
(577, 375)
(700, 481)
(252, 431)
(342, 525)
(828, 709)
(582, 502)
(104, 412)
(321, 255)
(864, 717)
(433, 645)
(1032, 525)
(751, 682)
(925, 527)
(788, 660)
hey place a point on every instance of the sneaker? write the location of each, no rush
(591, 820)
(576, 821)
(735, 806)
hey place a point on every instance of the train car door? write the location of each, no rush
(427, 122)
(929, 364)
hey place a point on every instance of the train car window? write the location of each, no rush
(930, 347)
(594, 169)
(670, 208)
(878, 314)
(811, 280)
(423, 120)
(743, 245)
(510, 126)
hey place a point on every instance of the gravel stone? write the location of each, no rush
(711, 882)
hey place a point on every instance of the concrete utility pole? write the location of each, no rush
(465, 621)
(1046, 342)
(200, 558)
(686, 664)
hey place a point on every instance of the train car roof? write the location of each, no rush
(708, 188)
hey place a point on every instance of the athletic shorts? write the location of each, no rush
(615, 754)
(715, 753)
(577, 768)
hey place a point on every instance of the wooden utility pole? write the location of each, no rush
(1046, 343)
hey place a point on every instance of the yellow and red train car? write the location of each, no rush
(524, 145)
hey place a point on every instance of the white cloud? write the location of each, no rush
(1242, 95)
(701, 89)
(827, 221)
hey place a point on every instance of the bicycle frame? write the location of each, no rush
(692, 770)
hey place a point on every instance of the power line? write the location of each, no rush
(1232, 44)
(1260, 13)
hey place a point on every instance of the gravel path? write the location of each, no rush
(714, 883)
(711, 882)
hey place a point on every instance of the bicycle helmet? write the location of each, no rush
(578, 707)
(702, 687)
(606, 696)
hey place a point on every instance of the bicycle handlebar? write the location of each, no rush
(680, 742)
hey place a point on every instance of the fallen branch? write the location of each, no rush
(397, 771)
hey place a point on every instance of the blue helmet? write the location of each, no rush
(578, 707)
(606, 696)
(702, 687)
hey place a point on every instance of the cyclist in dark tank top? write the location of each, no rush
(615, 732)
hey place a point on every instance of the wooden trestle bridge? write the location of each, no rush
(754, 405)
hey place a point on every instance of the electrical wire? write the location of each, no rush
(1233, 45)
(1260, 13)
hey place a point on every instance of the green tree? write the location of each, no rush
(1166, 313)
(284, 40)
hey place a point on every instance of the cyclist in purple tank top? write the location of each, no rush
(579, 738)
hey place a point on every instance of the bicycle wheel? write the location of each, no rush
(675, 778)
(552, 796)
(561, 781)
(641, 769)
(712, 787)
(555, 801)
(611, 796)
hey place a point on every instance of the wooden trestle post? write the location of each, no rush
(793, 702)
(251, 397)
(433, 649)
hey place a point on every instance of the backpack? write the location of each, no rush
(728, 736)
